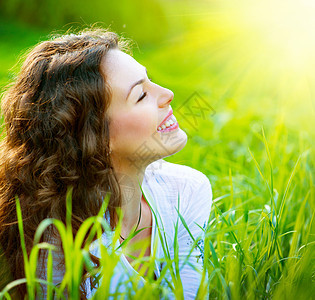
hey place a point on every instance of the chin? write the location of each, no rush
(174, 147)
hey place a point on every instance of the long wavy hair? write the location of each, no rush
(56, 136)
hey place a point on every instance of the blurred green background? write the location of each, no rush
(253, 63)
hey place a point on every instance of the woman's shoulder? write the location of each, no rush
(175, 172)
(180, 189)
(171, 181)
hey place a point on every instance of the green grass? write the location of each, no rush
(257, 150)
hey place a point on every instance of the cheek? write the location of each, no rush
(130, 128)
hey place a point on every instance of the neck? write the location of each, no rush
(129, 178)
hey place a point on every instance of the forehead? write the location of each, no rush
(121, 68)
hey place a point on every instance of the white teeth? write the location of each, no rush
(168, 123)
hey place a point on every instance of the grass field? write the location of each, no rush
(253, 137)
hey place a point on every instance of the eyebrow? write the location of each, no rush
(140, 81)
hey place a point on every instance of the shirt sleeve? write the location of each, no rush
(195, 209)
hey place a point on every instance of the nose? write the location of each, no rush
(165, 98)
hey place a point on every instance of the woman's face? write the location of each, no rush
(138, 109)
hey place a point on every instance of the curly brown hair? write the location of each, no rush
(57, 135)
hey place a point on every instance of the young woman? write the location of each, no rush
(83, 113)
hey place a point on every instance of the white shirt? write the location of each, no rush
(171, 190)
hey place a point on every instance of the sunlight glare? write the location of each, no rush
(286, 28)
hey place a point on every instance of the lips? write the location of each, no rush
(167, 117)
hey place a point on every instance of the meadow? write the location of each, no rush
(244, 93)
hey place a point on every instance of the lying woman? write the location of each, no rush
(83, 113)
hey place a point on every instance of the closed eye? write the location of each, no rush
(142, 96)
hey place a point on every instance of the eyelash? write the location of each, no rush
(144, 94)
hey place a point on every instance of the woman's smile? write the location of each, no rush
(169, 123)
